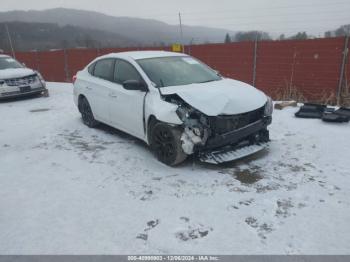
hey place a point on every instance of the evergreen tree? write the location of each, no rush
(252, 36)
(300, 36)
(228, 39)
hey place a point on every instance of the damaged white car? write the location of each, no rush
(176, 104)
(16, 80)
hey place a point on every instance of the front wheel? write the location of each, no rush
(166, 144)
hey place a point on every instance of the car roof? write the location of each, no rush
(2, 56)
(136, 55)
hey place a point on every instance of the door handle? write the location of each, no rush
(113, 95)
(88, 88)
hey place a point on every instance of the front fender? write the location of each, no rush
(162, 110)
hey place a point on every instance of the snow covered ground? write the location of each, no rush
(68, 189)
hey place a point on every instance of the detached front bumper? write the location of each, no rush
(237, 143)
(231, 153)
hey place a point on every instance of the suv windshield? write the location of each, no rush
(177, 70)
(9, 63)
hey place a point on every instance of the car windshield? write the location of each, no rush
(177, 70)
(9, 63)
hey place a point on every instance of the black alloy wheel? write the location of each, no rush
(166, 144)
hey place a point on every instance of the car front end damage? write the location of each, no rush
(223, 138)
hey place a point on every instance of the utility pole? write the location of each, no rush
(10, 41)
(342, 69)
(181, 33)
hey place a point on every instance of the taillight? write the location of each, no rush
(74, 78)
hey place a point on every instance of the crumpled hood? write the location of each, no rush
(15, 73)
(223, 97)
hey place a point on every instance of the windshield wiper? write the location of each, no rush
(207, 81)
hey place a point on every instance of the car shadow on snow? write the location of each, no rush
(142, 145)
(138, 143)
(20, 98)
(192, 160)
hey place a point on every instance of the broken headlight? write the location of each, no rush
(196, 128)
(182, 112)
(197, 131)
(40, 78)
(268, 107)
(193, 119)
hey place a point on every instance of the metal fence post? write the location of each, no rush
(342, 69)
(66, 65)
(37, 60)
(255, 58)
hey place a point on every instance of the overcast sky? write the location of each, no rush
(275, 16)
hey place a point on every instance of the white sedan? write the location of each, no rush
(176, 104)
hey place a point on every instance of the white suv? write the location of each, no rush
(17, 80)
(176, 104)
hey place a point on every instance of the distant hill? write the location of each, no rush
(45, 36)
(144, 31)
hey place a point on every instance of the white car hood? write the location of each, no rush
(15, 73)
(223, 97)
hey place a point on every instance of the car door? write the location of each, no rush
(126, 106)
(98, 86)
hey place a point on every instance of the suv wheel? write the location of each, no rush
(166, 144)
(86, 113)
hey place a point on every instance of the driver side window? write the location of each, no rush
(125, 71)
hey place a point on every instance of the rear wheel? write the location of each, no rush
(166, 144)
(86, 113)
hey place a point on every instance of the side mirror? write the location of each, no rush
(135, 85)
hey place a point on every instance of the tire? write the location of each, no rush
(86, 113)
(166, 144)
